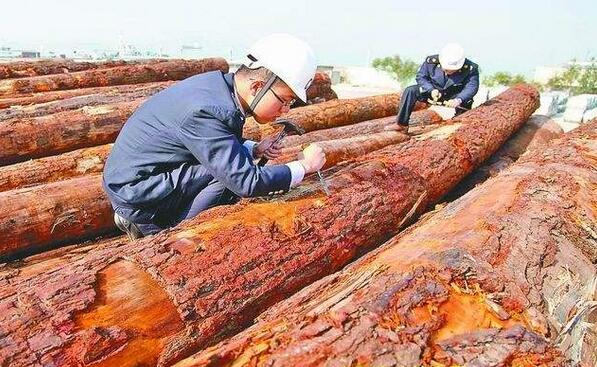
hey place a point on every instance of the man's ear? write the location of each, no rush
(255, 87)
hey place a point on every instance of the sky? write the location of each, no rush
(505, 35)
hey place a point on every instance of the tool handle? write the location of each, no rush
(264, 160)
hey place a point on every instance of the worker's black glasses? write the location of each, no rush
(284, 103)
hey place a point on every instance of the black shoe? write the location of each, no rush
(128, 227)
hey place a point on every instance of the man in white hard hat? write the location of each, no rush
(182, 151)
(448, 78)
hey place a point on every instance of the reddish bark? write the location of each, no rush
(97, 92)
(48, 215)
(23, 69)
(130, 74)
(500, 277)
(332, 114)
(213, 274)
(69, 100)
(424, 117)
(62, 132)
(55, 168)
(320, 90)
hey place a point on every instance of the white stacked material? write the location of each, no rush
(578, 105)
(367, 77)
(552, 103)
(589, 115)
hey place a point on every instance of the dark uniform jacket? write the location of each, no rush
(177, 142)
(463, 84)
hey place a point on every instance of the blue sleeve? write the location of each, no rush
(471, 87)
(424, 79)
(215, 146)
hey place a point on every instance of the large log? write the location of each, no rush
(45, 216)
(162, 297)
(536, 133)
(62, 132)
(334, 113)
(22, 69)
(69, 100)
(44, 97)
(68, 165)
(130, 74)
(424, 117)
(500, 277)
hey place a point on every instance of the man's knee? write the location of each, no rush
(412, 90)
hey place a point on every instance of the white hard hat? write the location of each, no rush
(451, 56)
(290, 58)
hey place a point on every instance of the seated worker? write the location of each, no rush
(182, 151)
(448, 78)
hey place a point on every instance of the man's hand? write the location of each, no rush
(436, 95)
(453, 102)
(313, 158)
(268, 148)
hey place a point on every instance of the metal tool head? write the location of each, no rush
(290, 127)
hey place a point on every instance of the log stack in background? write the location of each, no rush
(160, 298)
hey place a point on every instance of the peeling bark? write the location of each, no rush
(130, 74)
(68, 165)
(67, 101)
(504, 276)
(23, 69)
(332, 114)
(222, 268)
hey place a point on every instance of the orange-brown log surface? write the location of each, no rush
(160, 298)
(68, 100)
(334, 113)
(424, 117)
(48, 215)
(320, 90)
(500, 277)
(130, 74)
(22, 69)
(62, 132)
(44, 97)
(536, 133)
(55, 168)
(340, 150)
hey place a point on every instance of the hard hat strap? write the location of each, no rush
(268, 84)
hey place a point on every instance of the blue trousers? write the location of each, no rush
(412, 94)
(188, 207)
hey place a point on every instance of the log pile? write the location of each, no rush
(504, 276)
(161, 298)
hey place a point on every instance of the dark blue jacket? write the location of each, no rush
(186, 135)
(463, 84)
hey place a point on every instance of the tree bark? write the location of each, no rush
(45, 97)
(23, 69)
(423, 117)
(213, 274)
(69, 100)
(320, 90)
(68, 165)
(130, 74)
(504, 276)
(62, 132)
(332, 114)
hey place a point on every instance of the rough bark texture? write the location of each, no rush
(79, 162)
(45, 97)
(48, 215)
(340, 150)
(98, 96)
(332, 114)
(424, 117)
(131, 74)
(23, 69)
(213, 274)
(62, 132)
(320, 90)
(536, 133)
(498, 278)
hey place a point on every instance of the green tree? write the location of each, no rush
(401, 70)
(576, 79)
(503, 78)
